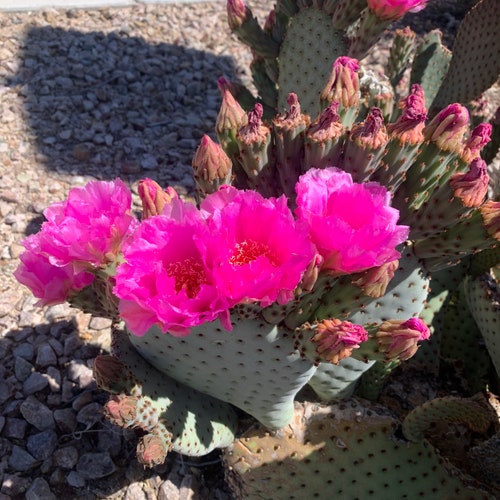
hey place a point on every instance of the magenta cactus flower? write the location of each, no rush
(49, 283)
(352, 225)
(261, 252)
(391, 10)
(88, 228)
(165, 278)
(335, 339)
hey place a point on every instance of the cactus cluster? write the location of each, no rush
(340, 328)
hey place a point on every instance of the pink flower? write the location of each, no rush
(335, 339)
(166, 278)
(390, 10)
(49, 283)
(89, 226)
(352, 225)
(261, 252)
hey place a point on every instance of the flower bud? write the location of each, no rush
(374, 281)
(370, 134)
(231, 115)
(154, 198)
(471, 187)
(490, 211)
(479, 137)
(237, 13)
(151, 450)
(343, 83)
(398, 339)
(408, 127)
(335, 339)
(212, 167)
(121, 410)
(448, 127)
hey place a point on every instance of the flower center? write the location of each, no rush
(247, 251)
(189, 275)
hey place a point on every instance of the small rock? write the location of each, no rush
(135, 492)
(75, 479)
(95, 465)
(24, 350)
(66, 457)
(79, 372)
(20, 460)
(2, 422)
(149, 162)
(53, 376)
(81, 400)
(42, 445)
(46, 356)
(6, 391)
(22, 368)
(37, 414)
(97, 323)
(81, 152)
(168, 491)
(109, 439)
(34, 383)
(90, 414)
(71, 344)
(40, 490)
(14, 485)
(65, 419)
(15, 428)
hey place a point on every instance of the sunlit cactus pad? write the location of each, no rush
(343, 451)
(254, 367)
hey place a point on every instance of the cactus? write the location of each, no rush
(351, 450)
(259, 290)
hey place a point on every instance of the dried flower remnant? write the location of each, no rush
(471, 187)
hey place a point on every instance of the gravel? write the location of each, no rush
(93, 94)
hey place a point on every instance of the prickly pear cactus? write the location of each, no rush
(254, 367)
(346, 450)
(172, 415)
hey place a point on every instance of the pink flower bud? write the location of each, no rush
(370, 134)
(479, 137)
(211, 165)
(335, 339)
(391, 10)
(343, 84)
(121, 410)
(374, 281)
(448, 127)
(151, 450)
(471, 186)
(237, 13)
(490, 211)
(398, 339)
(408, 127)
(231, 115)
(154, 198)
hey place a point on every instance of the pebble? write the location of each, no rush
(46, 356)
(66, 457)
(22, 368)
(15, 428)
(43, 444)
(95, 465)
(20, 460)
(90, 415)
(37, 414)
(75, 479)
(40, 490)
(34, 383)
(65, 420)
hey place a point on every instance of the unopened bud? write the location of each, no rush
(471, 186)
(479, 137)
(121, 410)
(398, 339)
(151, 450)
(374, 281)
(231, 115)
(490, 211)
(343, 83)
(237, 13)
(448, 127)
(335, 339)
(154, 198)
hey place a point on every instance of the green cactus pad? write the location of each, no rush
(346, 451)
(198, 423)
(430, 65)
(254, 366)
(468, 411)
(307, 53)
(475, 64)
(483, 297)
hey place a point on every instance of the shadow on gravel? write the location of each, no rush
(57, 430)
(112, 105)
